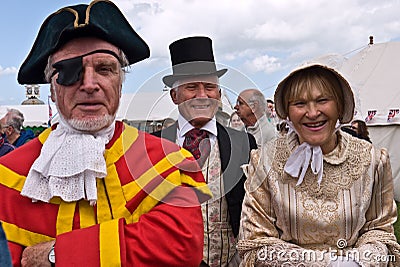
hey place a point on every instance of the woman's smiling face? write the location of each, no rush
(314, 116)
(314, 107)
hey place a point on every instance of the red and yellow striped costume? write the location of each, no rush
(129, 226)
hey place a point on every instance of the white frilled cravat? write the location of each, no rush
(298, 161)
(68, 165)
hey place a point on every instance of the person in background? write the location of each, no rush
(235, 122)
(282, 128)
(271, 114)
(91, 190)
(349, 130)
(5, 146)
(5, 258)
(159, 126)
(270, 110)
(12, 124)
(361, 128)
(251, 106)
(270, 106)
(317, 191)
(219, 150)
(168, 122)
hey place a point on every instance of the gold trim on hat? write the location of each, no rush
(87, 15)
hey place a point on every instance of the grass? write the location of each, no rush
(397, 223)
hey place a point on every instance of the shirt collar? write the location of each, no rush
(184, 126)
(260, 121)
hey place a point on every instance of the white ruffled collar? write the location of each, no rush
(68, 165)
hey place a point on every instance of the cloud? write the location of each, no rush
(265, 39)
(262, 39)
(263, 63)
(301, 29)
(8, 70)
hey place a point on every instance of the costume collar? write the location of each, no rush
(68, 165)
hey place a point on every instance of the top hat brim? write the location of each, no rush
(348, 96)
(101, 19)
(192, 57)
(169, 80)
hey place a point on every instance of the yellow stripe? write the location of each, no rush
(65, 217)
(115, 196)
(22, 236)
(109, 244)
(186, 179)
(200, 186)
(44, 135)
(163, 165)
(122, 144)
(11, 179)
(174, 179)
(86, 212)
(103, 209)
(166, 186)
(186, 153)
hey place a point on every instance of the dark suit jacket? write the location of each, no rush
(234, 149)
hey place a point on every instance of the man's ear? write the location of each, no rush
(52, 92)
(253, 106)
(173, 95)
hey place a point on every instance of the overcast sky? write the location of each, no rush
(258, 41)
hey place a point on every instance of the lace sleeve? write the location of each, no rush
(377, 243)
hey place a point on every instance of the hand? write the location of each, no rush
(37, 255)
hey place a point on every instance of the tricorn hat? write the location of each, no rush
(348, 97)
(192, 56)
(101, 18)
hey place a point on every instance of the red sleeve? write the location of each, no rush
(171, 234)
(16, 253)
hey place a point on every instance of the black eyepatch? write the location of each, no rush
(70, 70)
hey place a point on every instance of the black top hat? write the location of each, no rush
(101, 19)
(192, 56)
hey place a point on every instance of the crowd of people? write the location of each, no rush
(284, 184)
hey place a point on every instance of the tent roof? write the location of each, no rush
(373, 74)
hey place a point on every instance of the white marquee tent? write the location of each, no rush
(373, 74)
(143, 106)
(153, 106)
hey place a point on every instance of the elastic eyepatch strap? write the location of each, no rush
(70, 70)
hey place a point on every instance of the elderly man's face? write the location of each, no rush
(90, 103)
(3, 125)
(244, 108)
(198, 99)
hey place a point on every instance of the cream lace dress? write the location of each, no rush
(350, 213)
